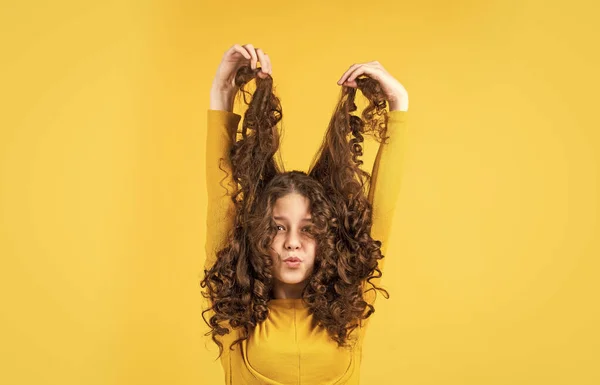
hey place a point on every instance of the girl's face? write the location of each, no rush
(292, 217)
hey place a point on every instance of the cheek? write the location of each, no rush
(311, 251)
(275, 247)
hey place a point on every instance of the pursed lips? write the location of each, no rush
(292, 259)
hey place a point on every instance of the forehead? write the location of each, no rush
(292, 205)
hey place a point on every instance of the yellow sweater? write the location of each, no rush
(284, 349)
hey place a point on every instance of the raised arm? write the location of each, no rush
(386, 179)
(219, 184)
(386, 176)
(222, 126)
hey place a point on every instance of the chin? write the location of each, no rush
(292, 279)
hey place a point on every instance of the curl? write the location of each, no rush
(238, 285)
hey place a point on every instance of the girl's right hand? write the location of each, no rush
(235, 57)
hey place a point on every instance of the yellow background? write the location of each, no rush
(493, 270)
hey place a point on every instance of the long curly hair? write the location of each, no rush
(239, 284)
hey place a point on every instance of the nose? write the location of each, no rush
(292, 242)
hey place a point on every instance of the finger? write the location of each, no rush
(363, 69)
(347, 73)
(262, 60)
(238, 48)
(269, 64)
(252, 52)
(353, 70)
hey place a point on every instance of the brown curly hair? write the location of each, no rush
(239, 284)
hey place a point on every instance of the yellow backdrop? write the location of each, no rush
(493, 269)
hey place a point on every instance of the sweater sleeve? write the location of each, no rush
(386, 179)
(221, 130)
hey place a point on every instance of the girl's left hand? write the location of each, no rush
(395, 93)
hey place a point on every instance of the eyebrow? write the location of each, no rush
(285, 219)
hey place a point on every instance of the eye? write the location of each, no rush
(278, 226)
(309, 231)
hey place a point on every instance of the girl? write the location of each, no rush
(293, 258)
